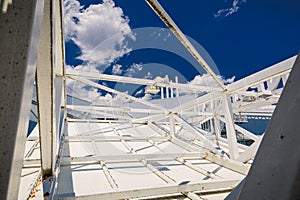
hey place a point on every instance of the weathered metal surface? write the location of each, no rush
(19, 36)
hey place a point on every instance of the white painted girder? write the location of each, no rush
(271, 72)
(228, 163)
(96, 85)
(99, 138)
(140, 81)
(113, 109)
(208, 185)
(198, 169)
(272, 75)
(132, 157)
(207, 143)
(230, 130)
(45, 92)
(184, 40)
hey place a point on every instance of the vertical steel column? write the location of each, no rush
(162, 93)
(275, 172)
(58, 64)
(45, 92)
(172, 126)
(177, 90)
(167, 92)
(230, 130)
(217, 127)
(19, 35)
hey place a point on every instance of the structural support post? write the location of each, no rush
(217, 127)
(162, 93)
(172, 126)
(45, 92)
(19, 33)
(59, 77)
(275, 171)
(230, 130)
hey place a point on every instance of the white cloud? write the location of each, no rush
(99, 30)
(88, 67)
(71, 8)
(134, 68)
(148, 75)
(207, 80)
(229, 80)
(117, 69)
(79, 90)
(233, 9)
(139, 92)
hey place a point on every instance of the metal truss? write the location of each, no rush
(143, 149)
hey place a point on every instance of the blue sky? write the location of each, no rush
(259, 34)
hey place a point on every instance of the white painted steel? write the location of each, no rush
(45, 92)
(154, 191)
(175, 142)
(183, 39)
(228, 163)
(91, 83)
(139, 81)
(230, 130)
(274, 71)
(250, 152)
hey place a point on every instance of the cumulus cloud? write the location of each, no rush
(116, 70)
(233, 9)
(88, 67)
(99, 30)
(207, 80)
(134, 68)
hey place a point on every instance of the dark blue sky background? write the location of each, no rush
(260, 34)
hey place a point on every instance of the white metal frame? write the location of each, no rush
(194, 127)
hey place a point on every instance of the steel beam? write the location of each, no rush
(171, 188)
(197, 169)
(245, 107)
(112, 109)
(45, 92)
(139, 81)
(99, 138)
(230, 130)
(59, 72)
(131, 157)
(206, 142)
(228, 163)
(224, 143)
(112, 182)
(184, 40)
(20, 24)
(207, 98)
(217, 126)
(122, 94)
(279, 69)
(50, 85)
